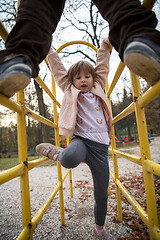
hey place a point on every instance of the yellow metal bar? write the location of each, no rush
(22, 154)
(59, 168)
(124, 113)
(115, 164)
(37, 217)
(11, 173)
(70, 178)
(37, 162)
(131, 200)
(130, 157)
(156, 233)
(65, 175)
(106, 89)
(70, 183)
(116, 174)
(40, 118)
(6, 102)
(61, 199)
(18, 3)
(143, 215)
(152, 167)
(25, 234)
(68, 140)
(146, 97)
(77, 42)
(46, 89)
(116, 77)
(145, 154)
(149, 3)
(150, 94)
(3, 31)
(112, 175)
(70, 174)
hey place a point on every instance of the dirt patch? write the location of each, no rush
(154, 149)
(131, 175)
(79, 216)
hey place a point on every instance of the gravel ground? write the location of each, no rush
(79, 216)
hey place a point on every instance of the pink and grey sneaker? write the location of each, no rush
(102, 234)
(48, 150)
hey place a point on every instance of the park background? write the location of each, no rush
(80, 21)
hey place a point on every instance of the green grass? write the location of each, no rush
(6, 163)
(109, 155)
(126, 146)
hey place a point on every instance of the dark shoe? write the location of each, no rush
(142, 56)
(48, 150)
(15, 75)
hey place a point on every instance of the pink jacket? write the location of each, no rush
(68, 111)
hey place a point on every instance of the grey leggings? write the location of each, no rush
(95, 155)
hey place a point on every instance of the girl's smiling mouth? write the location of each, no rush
(84, 85)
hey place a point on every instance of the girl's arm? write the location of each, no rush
(102, 63)
(57, 69)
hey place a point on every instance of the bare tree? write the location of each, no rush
(80, 21)
(8, 11)
(42, 109)
(8, 15)
(84, 16)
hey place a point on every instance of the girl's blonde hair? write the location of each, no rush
(78, 67)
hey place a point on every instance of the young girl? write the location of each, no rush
(85, 115)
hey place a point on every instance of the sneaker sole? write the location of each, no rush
(13, 83)
(143, 58)
(143, 66)
(40, 149)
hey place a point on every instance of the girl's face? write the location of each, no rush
(83, 81)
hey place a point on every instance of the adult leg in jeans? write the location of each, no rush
(31, 36)
(129, 20)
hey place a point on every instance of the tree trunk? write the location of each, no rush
(42, 110)
(129, 132)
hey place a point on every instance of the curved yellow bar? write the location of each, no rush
(77, 42)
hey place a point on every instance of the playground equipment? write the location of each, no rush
(150, 218)
(126, 140)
